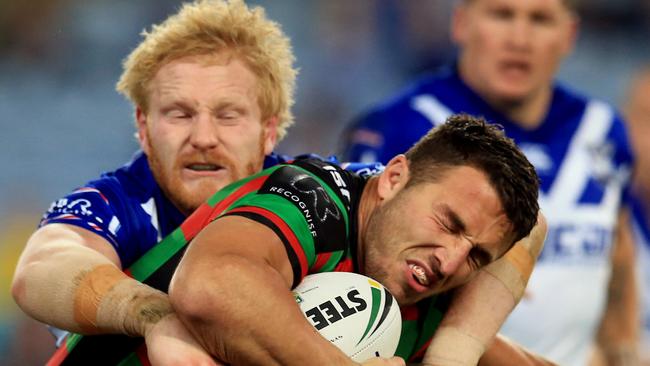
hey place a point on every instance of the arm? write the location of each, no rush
(480, 307)
(71, 278)
(619, 328)
(233, 293)
(505, 352)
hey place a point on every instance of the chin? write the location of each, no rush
(512, 92)
(190, 197)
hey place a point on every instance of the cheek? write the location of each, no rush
(461, 277)
(552, 50)
(243, 142)
(166, 143)
(486, 37)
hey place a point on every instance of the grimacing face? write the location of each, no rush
(431, 237)
(510, 50)
(203, 128)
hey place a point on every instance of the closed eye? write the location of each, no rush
(178, 114)
(230, 116)
(479, 257)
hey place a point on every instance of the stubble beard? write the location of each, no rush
(378, 240)
(186, 200)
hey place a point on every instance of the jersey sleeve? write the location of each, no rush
(103, 208)
(623, 157)
(304, 212)
(384, 132)
(88, 208)
(365, 139)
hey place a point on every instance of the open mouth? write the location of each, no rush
(516, 66)
(419, 274)
(203, 167)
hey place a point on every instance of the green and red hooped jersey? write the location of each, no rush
(312, 206)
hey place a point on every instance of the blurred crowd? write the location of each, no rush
(63, 123)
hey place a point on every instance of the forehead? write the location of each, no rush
(204, 76)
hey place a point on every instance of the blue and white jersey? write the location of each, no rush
(641, 230)
(582, 156)
(126, 207)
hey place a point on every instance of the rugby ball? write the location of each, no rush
(354, 312)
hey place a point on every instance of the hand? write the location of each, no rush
(169, 343)
(377, 361)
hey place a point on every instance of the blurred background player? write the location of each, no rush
(637, 114)
(509, 52)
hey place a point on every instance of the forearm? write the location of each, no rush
(619, 329)
(503, 352)
(76, 288)
(247, 315)
(480, 307)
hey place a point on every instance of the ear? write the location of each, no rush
(393, 178)
(572, 34)
(458, 24)
(141, 120)
(270, 134)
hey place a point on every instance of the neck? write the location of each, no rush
(528, 113)
(367, 204)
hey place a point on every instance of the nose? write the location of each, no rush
(454, 256)
(204, 134)
(520, 34)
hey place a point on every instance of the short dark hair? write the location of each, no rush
(464, 140)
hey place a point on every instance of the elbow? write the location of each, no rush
(199, 292)
(186, 299)
(27, 272)
(18, 289)
(538, 235)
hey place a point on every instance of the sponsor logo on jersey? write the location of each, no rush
(573, 243)
(77, 207)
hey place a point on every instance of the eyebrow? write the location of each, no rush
(458, 226)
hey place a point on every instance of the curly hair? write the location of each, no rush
(464, 140)
(211, 27)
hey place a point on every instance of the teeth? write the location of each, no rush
(203, 167)
(419, 274)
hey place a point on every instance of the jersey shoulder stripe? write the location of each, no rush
(305, 212)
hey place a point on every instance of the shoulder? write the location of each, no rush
(314, 176)
(404, 102)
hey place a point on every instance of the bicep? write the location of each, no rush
(54, 238)
(242, 237)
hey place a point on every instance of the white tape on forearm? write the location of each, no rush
(513, 270)
(453, 347)
(107, 300)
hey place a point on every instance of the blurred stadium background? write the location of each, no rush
(62, 123)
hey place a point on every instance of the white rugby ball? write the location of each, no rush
(354, 312)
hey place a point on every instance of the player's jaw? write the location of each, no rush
(192, 178)
(410, 275)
